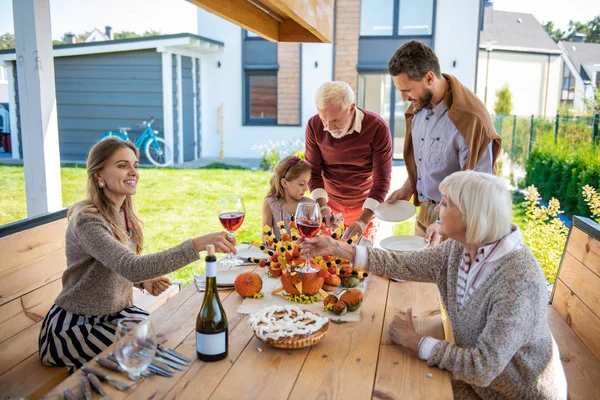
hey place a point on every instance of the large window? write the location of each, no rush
(261, 97)
(397, 18)
(376, 93)
(568, 87)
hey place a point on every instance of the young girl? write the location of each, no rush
(288, 185)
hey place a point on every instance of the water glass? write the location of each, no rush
(135, 346)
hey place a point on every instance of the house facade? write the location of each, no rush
(104, 85)
(262, 91)
(581, 73)
(516, 52)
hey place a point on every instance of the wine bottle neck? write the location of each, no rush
(211, 269)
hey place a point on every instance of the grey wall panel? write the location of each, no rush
(101, 92)
(198, 110)
(175, 113)
(188, 109)
(374, 53)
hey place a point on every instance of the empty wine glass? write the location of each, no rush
(231, 215)
(135, 345)
(308, 220)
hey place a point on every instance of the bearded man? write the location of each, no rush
(349, 151)
(448, 129)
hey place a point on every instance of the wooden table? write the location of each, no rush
(354, 361)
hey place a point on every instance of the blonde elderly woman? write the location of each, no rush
(493, 290)
(349, 151)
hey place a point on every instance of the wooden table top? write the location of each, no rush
(353, 361)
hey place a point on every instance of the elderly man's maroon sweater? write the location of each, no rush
(354, 167)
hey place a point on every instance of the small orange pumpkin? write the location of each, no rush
(311, 282)
(248, 284)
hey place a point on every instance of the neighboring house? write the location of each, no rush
(581, 73)
(516, 51)
(267, 89)
(104, 85)
(3, 85)
(97, 36)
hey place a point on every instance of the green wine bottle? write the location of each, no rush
(212, 336)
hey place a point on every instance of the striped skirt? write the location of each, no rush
(71, 340)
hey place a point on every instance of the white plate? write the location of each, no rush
(395, 212)
(245, 252)
(403, 243)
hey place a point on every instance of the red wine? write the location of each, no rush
(232, 221)
(212, 329)
(308, 229)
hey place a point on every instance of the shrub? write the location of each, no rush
(272, 152)
(504, 101)
(544, 233)
(561, 170)
(592, 198)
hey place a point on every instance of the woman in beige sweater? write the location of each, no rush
(104, 242)
(492, 287)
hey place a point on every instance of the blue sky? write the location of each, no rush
(175, 16)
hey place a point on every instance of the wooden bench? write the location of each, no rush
(31, 266)
(574, 314)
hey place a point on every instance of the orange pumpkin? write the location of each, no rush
(353, 299)
(311, 282)
(248, 284)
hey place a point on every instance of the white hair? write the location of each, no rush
(335, 93)
(484, 202)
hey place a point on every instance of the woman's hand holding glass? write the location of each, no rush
(323, 245)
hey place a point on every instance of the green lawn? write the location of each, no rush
(175, 204)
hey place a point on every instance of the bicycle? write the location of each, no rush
(156, 148)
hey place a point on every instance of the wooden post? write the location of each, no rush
(512, 141)
(37, 106)
(530, 136)
(556, 128)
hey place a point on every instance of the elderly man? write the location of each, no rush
(448, 129)
(349, 151)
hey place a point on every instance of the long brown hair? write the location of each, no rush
(289, 168)
(97, 202)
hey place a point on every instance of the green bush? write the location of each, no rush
(560, 170)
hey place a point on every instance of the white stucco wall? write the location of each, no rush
(533, 79)
(456, 36)
(224, 86)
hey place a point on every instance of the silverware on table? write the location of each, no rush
(109, 364)
(159, 371)
(169, 363)
(122, 386)
(86, 389)
(68, 395)
(173, 353)
(98, 386)
(172, 358)
(158, 364)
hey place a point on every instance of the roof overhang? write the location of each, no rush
(278, 20)
(185, 42)
(519, 49)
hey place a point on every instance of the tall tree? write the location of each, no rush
(590, 29)
(556, 34)
(7, 41)
(125, 35)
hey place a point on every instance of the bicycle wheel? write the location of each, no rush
(158, 152)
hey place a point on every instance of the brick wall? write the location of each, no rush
(288, 84)
(347, 31)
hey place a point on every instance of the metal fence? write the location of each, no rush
(520, 133)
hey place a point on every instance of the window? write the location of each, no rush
(376, 17)
(261, 97)
(396, 18)
(377, 93)
(568, 87)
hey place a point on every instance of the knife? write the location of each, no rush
(121, 386)
(98, 386)
(172, 358)
(162, 366)
(109, 364)
(169, 363)
(174, 353)
(86, 389)
(68, 395)
(159, 371)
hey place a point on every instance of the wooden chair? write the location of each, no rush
(33, 260)
(574, 314)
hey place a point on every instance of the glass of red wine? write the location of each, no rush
(231, 215)
(308, 220)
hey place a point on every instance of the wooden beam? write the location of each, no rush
(37, 106)
(314, 17)
(244, 14)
